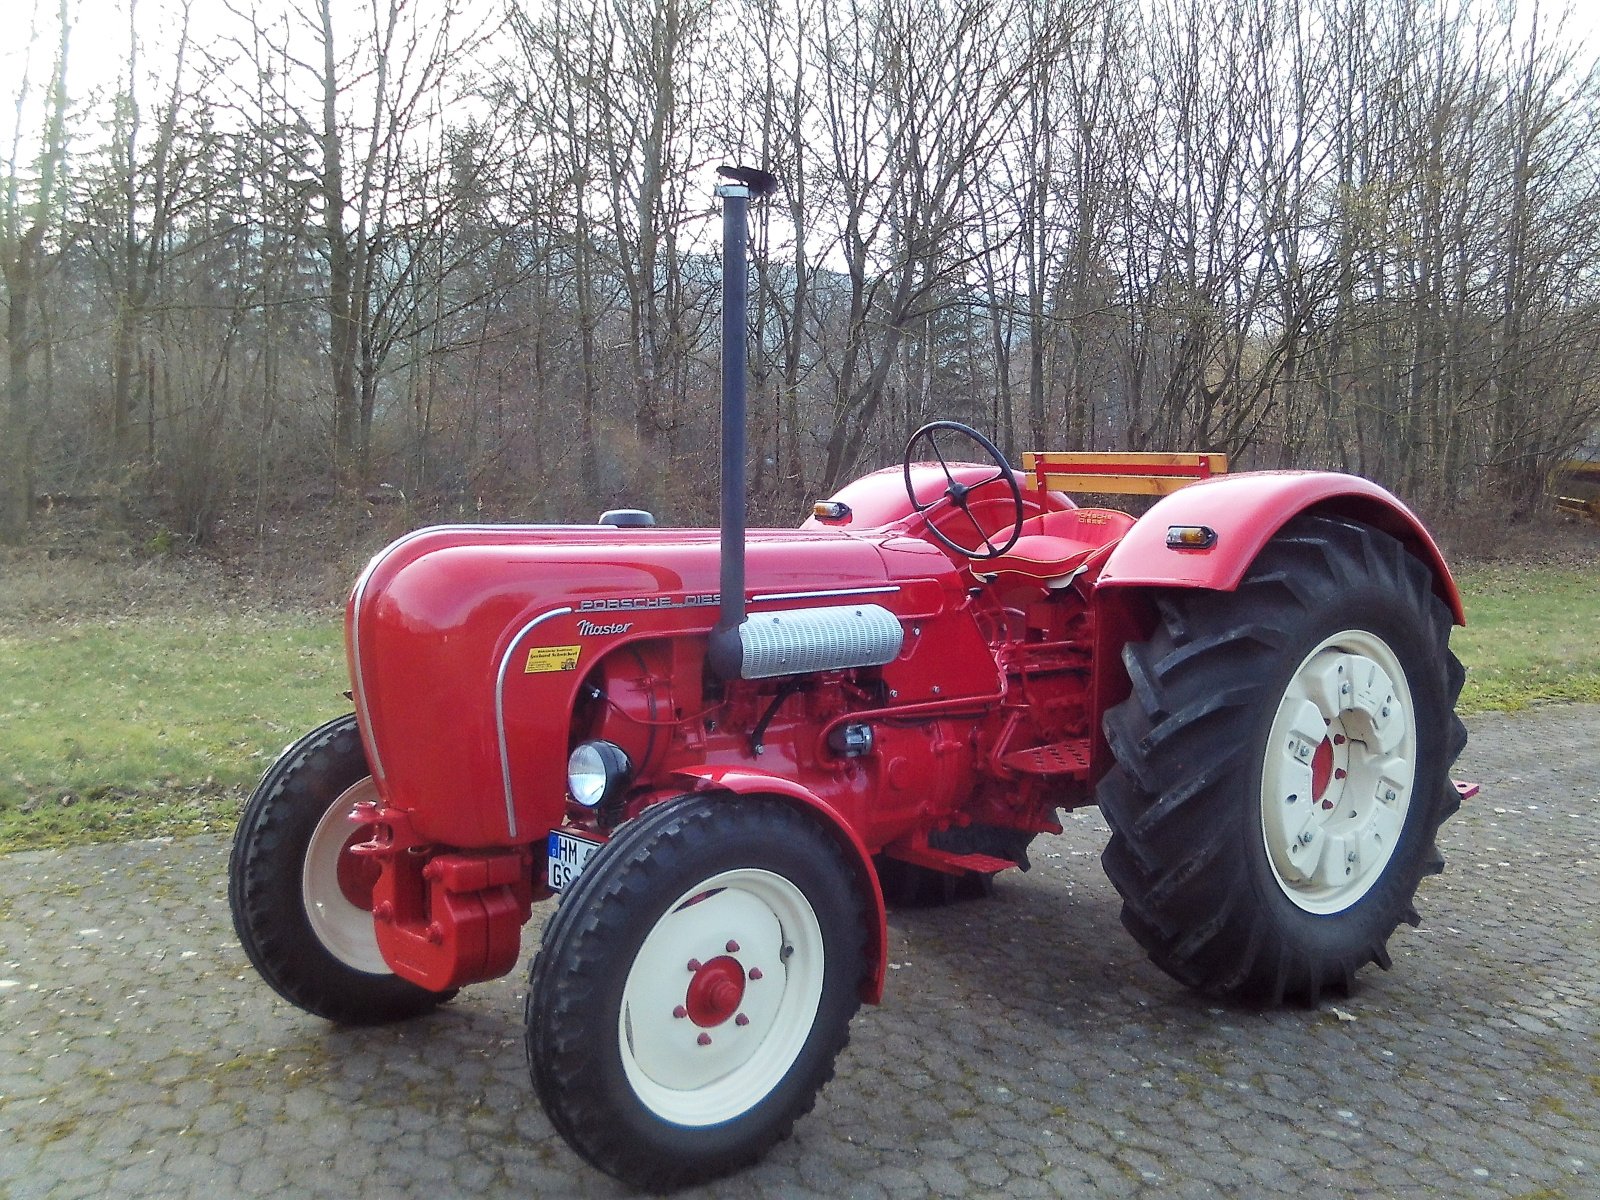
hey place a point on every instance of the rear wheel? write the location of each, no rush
(302, 902)
(1283, 766)
(694, 988)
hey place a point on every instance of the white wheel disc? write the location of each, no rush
(331, 877)
(721, 998)
(1336, 784)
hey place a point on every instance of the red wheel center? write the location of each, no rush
(358, 873)
(1321, 769)
(715, 992)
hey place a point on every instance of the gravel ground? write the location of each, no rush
(1025, 1048)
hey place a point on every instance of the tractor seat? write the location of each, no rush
(1055, 547)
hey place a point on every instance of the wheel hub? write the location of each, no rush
(715, 991)
(336, 884)
(358, 874)
(1336, 781)
(701, 1051)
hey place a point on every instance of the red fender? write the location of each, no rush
(744, 782)
(1245, 511)
(879, 500)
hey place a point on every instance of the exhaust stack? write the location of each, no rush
(740, 185)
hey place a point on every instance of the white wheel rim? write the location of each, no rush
(1337, 780)
(744, 950)
(344, 929)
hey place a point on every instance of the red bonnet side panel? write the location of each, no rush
(467, 645)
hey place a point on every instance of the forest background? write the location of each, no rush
(463, 256)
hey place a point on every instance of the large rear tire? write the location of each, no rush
(694, 988)
(1283, 766)
(301, 901)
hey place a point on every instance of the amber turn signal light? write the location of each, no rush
(1191, 537)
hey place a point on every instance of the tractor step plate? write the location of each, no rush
(1062, 758)
(946, 860)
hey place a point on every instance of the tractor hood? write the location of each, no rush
(467, 645)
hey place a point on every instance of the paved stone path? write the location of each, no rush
(1025, 1047)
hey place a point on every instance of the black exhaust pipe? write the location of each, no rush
(742, 184)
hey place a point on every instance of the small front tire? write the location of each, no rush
(694, 988)
(301, 901)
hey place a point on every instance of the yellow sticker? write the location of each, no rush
(552, 658)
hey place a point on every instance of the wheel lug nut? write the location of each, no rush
(703, 1040)
(694, 964)
(680, 1012)
(741, 1019)
(733, 947)
(755, 972)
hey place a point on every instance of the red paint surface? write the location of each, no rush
(459, 643)
(1321, 769)
(715, 992)
(1246, 511)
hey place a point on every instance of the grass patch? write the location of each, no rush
(1532, 635)
(146, 727)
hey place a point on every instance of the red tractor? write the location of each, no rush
(763, 732)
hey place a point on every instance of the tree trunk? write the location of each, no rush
(16, 450)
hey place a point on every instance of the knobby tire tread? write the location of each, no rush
(1181, 742)
(571, 976)
(264, 871)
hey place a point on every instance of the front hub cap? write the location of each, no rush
(721, 998)
(1337, 779)
(336, 885)
(715, 992)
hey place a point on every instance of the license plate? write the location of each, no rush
(569, 854)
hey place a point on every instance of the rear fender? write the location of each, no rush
(744, 782)
(1245, 511)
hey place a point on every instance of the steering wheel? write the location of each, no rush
(957, 493)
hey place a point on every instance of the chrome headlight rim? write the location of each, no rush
(597, 771)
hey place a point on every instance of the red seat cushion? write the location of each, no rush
(1055, 544)
(1039, 557)
(1086, 526)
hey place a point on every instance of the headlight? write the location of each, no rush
(596, 771)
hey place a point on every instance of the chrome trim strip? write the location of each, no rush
(885, 590)
(500, 710)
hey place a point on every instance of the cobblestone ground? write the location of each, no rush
(1025, 1047)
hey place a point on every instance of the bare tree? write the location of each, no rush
(379, 94)
(28, 219)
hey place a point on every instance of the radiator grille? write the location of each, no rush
(800, 640)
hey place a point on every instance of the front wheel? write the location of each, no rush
(1283, 766)
(302, 902)
(694, 988)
